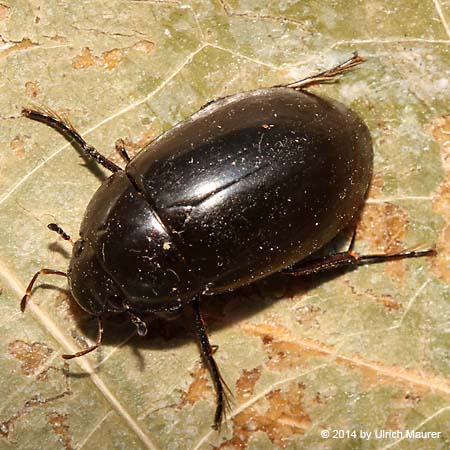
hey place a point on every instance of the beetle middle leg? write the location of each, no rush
(92, 347)
(207, 352)
(136, 320)
(63, 126)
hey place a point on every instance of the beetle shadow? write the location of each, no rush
(91, 165)
(219, 311)
(58, 248)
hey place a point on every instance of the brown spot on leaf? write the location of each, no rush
(280, 414)
(5, 12)
(58, 38)
(111, 58)
(8, 426)
(390, 303)
(282, 350)
(32, 89)
(307, 316)
(17, 146)
(386, 132)
(286, 355)
(245, 385)
(440, 129)
(144, 46)
(395, 420)
(22, 45)
(385, 226)
(134, 147)
(199, 388)
(376, 187)
(31, 356)
(267, 331)
(57, 422)
(84, 60)
(293, 353)
(412, 397)
(108, 60)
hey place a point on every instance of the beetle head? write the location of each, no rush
(91, 286)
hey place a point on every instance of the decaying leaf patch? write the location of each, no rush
(109, 59)
(440, 129)
(32, 356)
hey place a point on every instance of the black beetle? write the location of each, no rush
(250, 185)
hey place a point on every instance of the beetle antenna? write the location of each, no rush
(63, 126)
(223, 392)
(327, 76)
(24, 301)
(56, 228)
(93, 347)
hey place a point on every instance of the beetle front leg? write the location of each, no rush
(24, 301)
(63, 126)
(207, 351)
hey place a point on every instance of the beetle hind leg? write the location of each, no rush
(222, 390)
(327, 76)
(349, 260)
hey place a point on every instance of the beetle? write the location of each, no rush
(252, 184)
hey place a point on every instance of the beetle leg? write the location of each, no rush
(63, 126)
(140, 325)
(206, 350)
(137, 321)
(327, 76)
(92, 347)
(350, 259)
(121, 149)
(23, 302)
